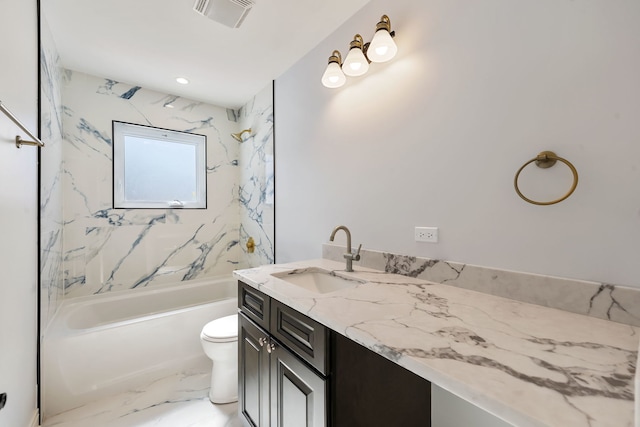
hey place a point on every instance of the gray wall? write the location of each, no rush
(435, 137)
(18, 214)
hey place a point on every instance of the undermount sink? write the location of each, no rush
(317, 280)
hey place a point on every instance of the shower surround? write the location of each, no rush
(109, 249)
(91, 248)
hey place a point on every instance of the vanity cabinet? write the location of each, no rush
(295, 372)
(277, 385)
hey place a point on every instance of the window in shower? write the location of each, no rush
(158, 168)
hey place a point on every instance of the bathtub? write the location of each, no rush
(104, 345)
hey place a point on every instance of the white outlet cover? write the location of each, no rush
(426, 234)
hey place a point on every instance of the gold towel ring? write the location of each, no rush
(544, 160)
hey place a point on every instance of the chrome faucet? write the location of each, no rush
(349, 256)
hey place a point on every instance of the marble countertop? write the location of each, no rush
(527, 364)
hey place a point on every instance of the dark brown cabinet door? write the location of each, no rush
(368, 390)
(253, 373)
(298, 393)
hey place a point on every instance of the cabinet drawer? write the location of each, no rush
(254, 304)
(304, 336)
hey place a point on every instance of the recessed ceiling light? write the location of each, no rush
(182, 80)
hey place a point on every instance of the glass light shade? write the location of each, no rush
(333, 76)
(382, 47)
(355, 64)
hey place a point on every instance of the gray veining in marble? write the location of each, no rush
(92, 248)
(51, 220)
(256, 189)
(527, 364)
(179, 400)
(601, 300)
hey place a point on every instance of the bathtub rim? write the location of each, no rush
(58, 324)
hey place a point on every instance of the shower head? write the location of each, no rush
(238, 136)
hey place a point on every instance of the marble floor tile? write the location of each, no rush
(176, 401)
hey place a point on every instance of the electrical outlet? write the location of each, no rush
(426, 234)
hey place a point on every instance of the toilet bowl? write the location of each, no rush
(219, 340)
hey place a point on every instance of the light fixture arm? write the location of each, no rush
(336, 57)
(385, 24)
(357, 42)
(365, 49)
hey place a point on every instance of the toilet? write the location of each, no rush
(219, 340)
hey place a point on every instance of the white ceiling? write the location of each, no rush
(151, 42)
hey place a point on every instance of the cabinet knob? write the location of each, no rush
(271, 347)
(262, 341)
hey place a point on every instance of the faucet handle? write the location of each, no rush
(356, 257)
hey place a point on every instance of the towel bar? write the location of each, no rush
(19, 141)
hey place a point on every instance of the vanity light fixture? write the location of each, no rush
(356, 63)
(382, 48)
(182, 80)
(333, 76)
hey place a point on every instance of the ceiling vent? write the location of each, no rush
(227, 12)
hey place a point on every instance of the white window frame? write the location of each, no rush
(121, 130)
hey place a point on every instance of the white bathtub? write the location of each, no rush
(103, 345)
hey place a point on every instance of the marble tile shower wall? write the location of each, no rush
(109, 249)
(51, 222)
(602, 300)
(257, 179)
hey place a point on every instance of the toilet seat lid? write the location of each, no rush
(223, 329)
